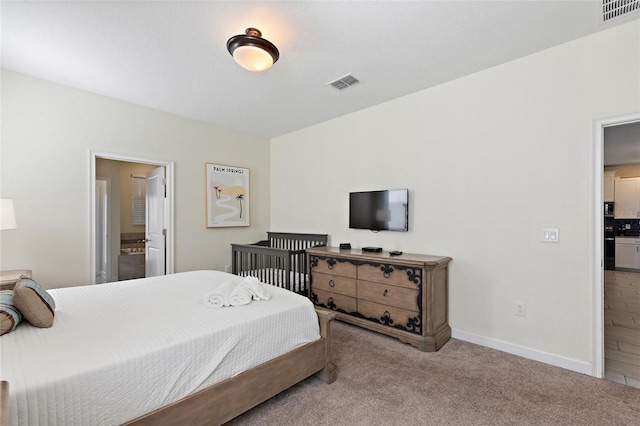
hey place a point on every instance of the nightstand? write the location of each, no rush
(9, 278)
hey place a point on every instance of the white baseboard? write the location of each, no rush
(545, 357)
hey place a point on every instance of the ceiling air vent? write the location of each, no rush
(344, 82)
(614, 8)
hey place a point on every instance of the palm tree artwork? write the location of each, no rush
(218, 191)
(240, 197)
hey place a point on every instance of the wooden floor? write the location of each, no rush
(622, 327)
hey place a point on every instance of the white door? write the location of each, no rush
(155, 259)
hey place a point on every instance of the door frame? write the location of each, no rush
(598, 231)
(169, 167)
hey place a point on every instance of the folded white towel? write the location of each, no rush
(256, 288)
(220, 296)
(240, 296)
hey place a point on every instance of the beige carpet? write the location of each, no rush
(382, 381)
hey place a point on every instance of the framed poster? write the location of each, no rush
(227, 195)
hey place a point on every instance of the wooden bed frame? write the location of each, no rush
(230, 398)
(4, 400)
(280, 260)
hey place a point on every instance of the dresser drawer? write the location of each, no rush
(333, 284)
(333, 266)
(391, 295)
(390, 274)
(334, 301)
(390, 315)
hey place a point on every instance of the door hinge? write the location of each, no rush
(164, 181)
(164, 232)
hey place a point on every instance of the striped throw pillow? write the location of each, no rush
(9, 315)
(34, 303)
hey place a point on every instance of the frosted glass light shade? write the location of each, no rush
(252, 58)
(7, 214)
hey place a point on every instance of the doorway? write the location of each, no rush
(119, 230)
(617, 291)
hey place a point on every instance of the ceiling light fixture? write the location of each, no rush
(251, 51)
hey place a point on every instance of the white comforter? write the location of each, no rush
(119, 350)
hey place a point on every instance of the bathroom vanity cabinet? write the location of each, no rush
(131, 266)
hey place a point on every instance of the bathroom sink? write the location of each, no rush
(131, 251)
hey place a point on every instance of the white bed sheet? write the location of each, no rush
(120, 350)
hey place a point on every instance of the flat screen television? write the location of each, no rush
(386, 210)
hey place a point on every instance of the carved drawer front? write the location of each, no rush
(386, 273)
(334, 267)
(390, 315)
(390, 295)
(334, 284)
(335, 301)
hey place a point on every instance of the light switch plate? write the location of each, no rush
(550, 235)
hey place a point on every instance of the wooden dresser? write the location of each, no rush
(402, 296)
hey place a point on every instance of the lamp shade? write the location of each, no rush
(252, 58)
(7, 214)
(251, 51)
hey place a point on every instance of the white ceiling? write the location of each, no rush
(172, 55)
(622, 144)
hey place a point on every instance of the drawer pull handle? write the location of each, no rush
(386, 270)
(385, 292)
(331, 283)
(331, 263)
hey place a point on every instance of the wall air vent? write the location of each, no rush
(344, 82)
(614, 8)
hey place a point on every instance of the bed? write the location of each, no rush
(280, 260)
(149, 351)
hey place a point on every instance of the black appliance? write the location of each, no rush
(609, 243)
(608, 210)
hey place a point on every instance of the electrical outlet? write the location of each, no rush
(521, 309)
(227, 268)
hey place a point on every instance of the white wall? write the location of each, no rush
(48, 131)
(490, 160)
